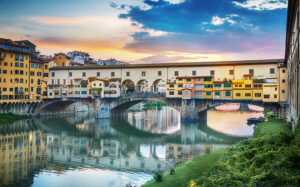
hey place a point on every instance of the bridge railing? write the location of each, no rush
(143, 95)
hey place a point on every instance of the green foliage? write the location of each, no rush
(270, 128)
(269, 115)
(188, 171)
(158, 176)
(270, 159)
(154, 104)
(10, 117)
(257, 80)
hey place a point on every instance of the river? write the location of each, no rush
(78, 150)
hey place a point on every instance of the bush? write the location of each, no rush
(158, 176)
(271, 116)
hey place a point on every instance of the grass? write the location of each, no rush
(270, 128)
(271, 158)
(188, 171)
(10, 117)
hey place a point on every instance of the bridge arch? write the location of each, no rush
(142, 85)
(128, 86)
(159, 86)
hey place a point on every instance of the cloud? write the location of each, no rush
(262, 4)
(216, 20)
(186, 27)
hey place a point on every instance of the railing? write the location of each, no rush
(143, 95)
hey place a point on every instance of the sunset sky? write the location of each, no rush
(150, 31)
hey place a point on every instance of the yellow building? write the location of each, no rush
(208, 87)
(14, 72)
(271, 90)
(39, 78)
(242, 89)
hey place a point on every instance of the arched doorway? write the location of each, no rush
(159, 86)
(128, 86)
(142, 86)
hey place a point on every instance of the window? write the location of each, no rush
(112, 74)
(179, 92)
(21, 65)
(212, 72)
(188, 80)
(272, 70)
(176, 73)
(171, 85)
(208, 93)
(257, 95)
(208, 86)
(21, 58)
(251, 71)
(207, 79)
(248, 94)
(194, 73)
(46, 66)
(127, 73)
(171, 93)
(231, 72)
(266, 96)
(218, 85)
(217, 93)
(186, 92)
(180, 85)
(227, 93)
(98, 74)
(52, 74)
(248, 85)
(83, 74)
(159, 73)
(275, 88)
(238, 94)
(17, 57)
(275, 96)
(283, 80)
(70, 74)
(283, 91)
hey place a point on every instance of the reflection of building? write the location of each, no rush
(110, 153)
(182, 152)
(21, 155)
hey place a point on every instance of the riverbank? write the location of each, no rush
(10, 117)
(270, 158)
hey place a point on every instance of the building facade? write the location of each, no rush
(292, 59)
(238, 80)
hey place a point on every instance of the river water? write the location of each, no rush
(78, 150)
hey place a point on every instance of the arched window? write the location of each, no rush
(17, 72)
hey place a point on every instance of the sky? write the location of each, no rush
(150, 31)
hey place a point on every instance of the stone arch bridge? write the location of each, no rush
(116, 107)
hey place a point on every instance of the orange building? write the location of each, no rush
(61, 59)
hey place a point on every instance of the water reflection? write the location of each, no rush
(78, 149)
(160, 120)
